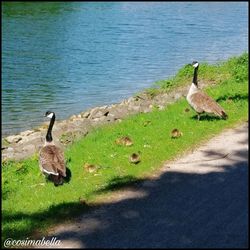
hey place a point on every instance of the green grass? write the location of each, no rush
(30, 204)
(236, 67)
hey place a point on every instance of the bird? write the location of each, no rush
(90, 167)
(125, 140)
(135, 158)
(51, 158)
(176, 133)
(200, 101)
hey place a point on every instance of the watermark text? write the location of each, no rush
(28, 242)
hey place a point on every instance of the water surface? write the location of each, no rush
(70, 56)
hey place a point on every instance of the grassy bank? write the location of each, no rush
(30, 203)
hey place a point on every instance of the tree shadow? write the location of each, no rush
(55, 214)
(118, 182)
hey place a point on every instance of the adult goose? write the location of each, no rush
(200, 101)
(51, 157)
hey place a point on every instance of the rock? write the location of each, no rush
(134, 108)
(33, 136)
(13, 138)
(100, 119)
(29, 147)
(99, 112)
(139, 97)
(26, 133)
(77, 123)
(124, 102)
(9, 150)
(118, 113)
(104, 107)
(131, 99)
(147, 110)
(164, 96)
(20, 155)
(145, 107)
(172, 96)
(85, 114)
(111, 118)
(8, 154)
(113, 105)
(73, 117)
(177, 96)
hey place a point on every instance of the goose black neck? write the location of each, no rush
(49, 134)
(195, 76)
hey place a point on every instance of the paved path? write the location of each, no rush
(200, 201)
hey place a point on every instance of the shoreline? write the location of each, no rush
(29, 142)
(26, 143)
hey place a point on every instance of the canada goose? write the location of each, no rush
(126, 141)
(90, 167)
(146, 123)
(176, 133)
(135, 158)
(200, 101)
(51, 157)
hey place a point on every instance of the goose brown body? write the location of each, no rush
(201, 102)
(52, 160)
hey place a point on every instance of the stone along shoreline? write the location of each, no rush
(25, 144)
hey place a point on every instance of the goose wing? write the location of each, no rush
(202, 102)
(52, 160)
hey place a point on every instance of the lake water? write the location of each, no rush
(70, 56)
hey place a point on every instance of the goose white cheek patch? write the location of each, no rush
(50, 115)
(196, 65)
